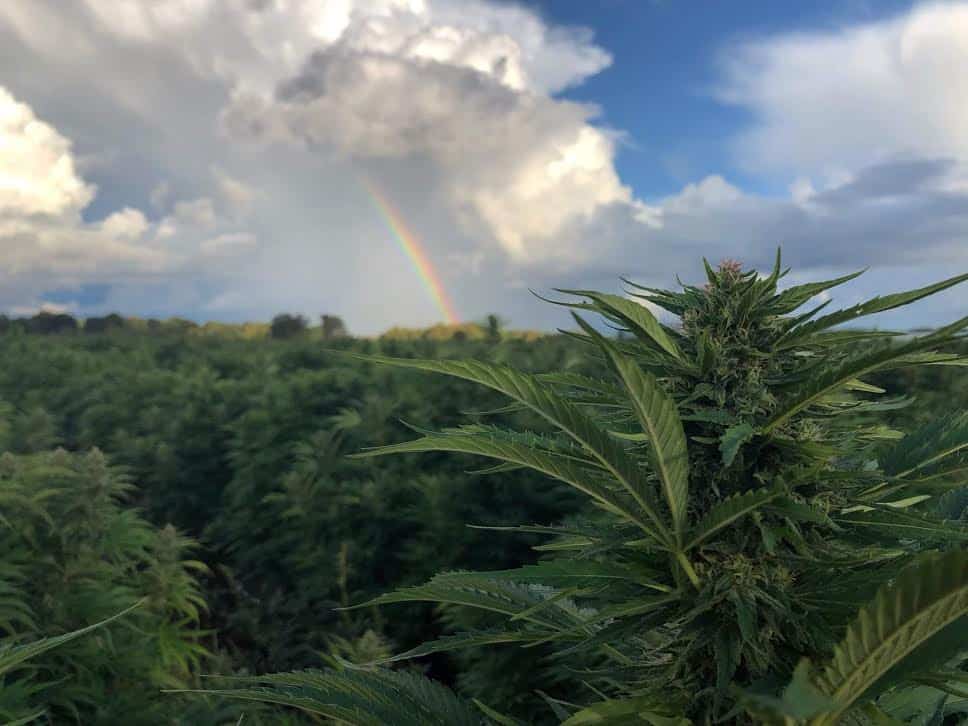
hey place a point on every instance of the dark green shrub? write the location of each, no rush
(287, 326)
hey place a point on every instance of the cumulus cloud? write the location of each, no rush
(523, 164)
(864, 126)
(37, 174)
(898, 213)
(41, 199)
(128, 224)
(238, 196)
(45, 240)
(466, 91)
(227, 243)
(825, 102)
(256, 44)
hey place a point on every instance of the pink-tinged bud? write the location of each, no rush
(730, 267)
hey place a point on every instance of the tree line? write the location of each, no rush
(45, 322)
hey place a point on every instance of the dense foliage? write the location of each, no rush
(242, 445)
(241, 441)
(765, 547)
(72, 556)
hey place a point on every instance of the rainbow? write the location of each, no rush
(415, 251)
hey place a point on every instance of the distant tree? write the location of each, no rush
(134, 323)
(105, 324)
(333, 327)
(154, 325)
(46, 323)
(493, 324)
(64, 323)
(179, 325)
(5, 324)
(287, 326)
(254, 331)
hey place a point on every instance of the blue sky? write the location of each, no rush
(211, 160)
(660, 87)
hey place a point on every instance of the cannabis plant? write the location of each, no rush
(72, 555)
(762, 547)
(14, 656)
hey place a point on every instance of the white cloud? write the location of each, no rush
(711, 193)
(466, 90)
(523, 164)
(37, 174)
(127, 224)
(253, 45)
(231, 243)
(43, 307)
(802, 190)
(41, 199)
(238, 195)
(45, 241)
(195, 213)
(832, 100)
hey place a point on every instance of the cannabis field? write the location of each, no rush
(752, 511)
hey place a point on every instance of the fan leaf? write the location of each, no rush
(581, 476)
(829, 380)
(636, 316)
(875, 305)
(12, 656)
(732, 439)
(529, 391)
(659, 418)
(925, 598)
(729, 511)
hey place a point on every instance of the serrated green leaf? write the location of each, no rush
(529, 391)
(624, 712)
(926, 598)
(557, 572)
(459, 641)
(875, 305)
(730, 510)
(476, 590)
(498, 718)
(829, 380)
(942, 437)
(732, 439)
(12, 656)
(793, 297)
(357, 697)
(659, 418)
(582, 477)
(636, 316)
(904, 524)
